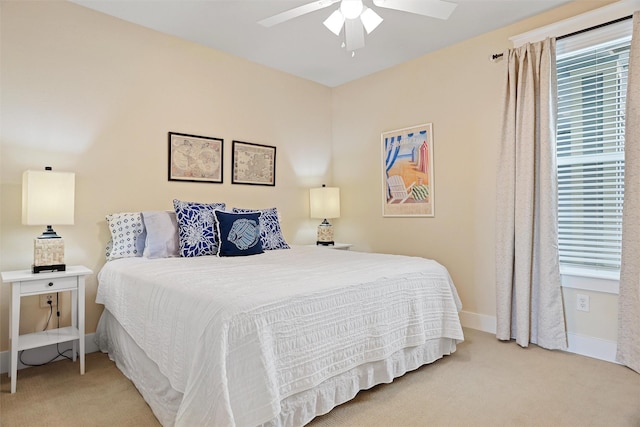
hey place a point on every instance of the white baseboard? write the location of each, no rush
(592, 347)
(578, 344)
(481, 322)
(42, 354)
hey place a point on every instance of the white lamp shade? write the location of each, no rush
(370, 20)
(48, 198)
(324, 202)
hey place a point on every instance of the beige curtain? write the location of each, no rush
(528, 293)
(629, 298)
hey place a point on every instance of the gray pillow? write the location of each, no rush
(162, 234)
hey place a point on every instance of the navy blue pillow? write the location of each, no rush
(239, 233)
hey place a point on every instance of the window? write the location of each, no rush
(592, 72)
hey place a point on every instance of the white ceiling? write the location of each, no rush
(303, 46)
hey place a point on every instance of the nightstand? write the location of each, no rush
(25, 283)
(338, 246)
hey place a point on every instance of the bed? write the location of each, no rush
(272, 339)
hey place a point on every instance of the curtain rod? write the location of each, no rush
(575, 33)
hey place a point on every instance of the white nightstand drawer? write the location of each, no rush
(48, 285)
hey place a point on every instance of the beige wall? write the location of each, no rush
(91, 94)
(460, 91)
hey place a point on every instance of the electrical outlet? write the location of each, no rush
(45, 298)
(582, 302)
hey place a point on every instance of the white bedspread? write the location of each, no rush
(238, 335)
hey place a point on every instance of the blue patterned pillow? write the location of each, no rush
(127, 235)
(197, 232)
(270, 232)
(239, 233)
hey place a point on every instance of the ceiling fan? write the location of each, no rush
(356, 18)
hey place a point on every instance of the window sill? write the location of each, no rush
(590, 280)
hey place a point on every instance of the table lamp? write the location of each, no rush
(324, 203)
(48, 198)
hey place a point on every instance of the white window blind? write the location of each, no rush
(592, 84)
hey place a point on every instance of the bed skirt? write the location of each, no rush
(296, 410)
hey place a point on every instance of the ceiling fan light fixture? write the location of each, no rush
(351, 9)
(334, 22)
(370, 19)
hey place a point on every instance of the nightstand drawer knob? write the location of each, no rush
(50, 283)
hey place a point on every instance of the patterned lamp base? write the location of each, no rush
(325, 234)
(48, 255)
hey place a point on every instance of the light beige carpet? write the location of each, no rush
(485, 383)
(57, 395)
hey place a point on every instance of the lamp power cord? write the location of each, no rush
(60, 354)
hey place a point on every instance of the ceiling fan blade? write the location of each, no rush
(295, 12)
(354, 34)
(434, 8)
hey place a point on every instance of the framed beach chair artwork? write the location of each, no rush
(407, 170)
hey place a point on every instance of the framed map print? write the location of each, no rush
(253, 164)
(195, 158)
(407, 172)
